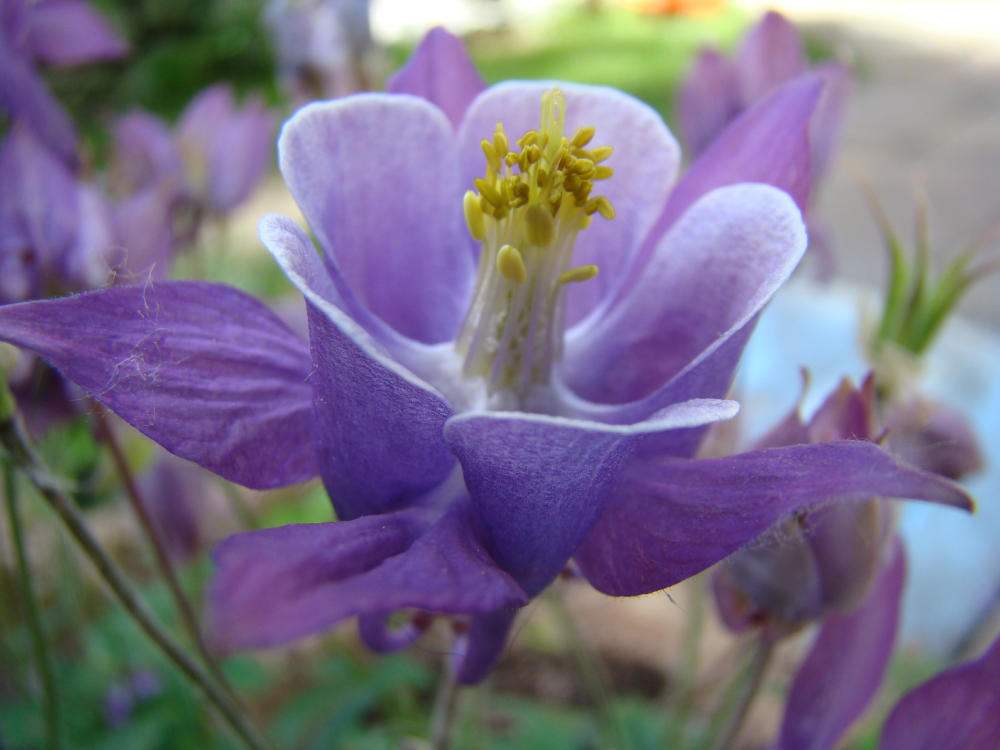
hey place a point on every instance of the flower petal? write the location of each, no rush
(24, 95)
(279, 584)
(378, 426)
(646, 159)
(538, 483)
(709, 276)
(708, 101)
(676, 517)
(376, 177)
(203, 369)
(845, 666)
(440, 71)
(958, 708)
(771, 54)
(70, 32)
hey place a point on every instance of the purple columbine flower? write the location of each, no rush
(476, 429)
(958, 708)
(54, 32)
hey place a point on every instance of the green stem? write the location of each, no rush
(21, 454)
(752, 681)
(445, 710)
(681, 700)
(593, 674)
(43, 659)
(163, 562)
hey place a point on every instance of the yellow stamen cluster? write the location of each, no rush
(545, 184)
(526, 211)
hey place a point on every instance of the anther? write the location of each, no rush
(510, 264)
(539, 227)
(578, 274)
(474, 218)
(583, 135)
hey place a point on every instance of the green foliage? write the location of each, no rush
(916, 304)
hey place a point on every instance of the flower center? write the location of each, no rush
(526, 212)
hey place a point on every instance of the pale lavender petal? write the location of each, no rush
(845, 666)
(203, 369)
(379, 427)
(959, 708)
(440, 71)
(676, 517)
(24, 95)
(708, 101)
(70, 32)
(279, 584)
(377, 179)
(323, 283)
(538, 483)
(646, 159)
(171, 493)
(771, 54)
(708, 277)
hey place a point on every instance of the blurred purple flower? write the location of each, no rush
(55, 32)
(170, 491)
(717, 90)
(822, 560)
(958, 708)
(214, 158)
(54, 231)
(934, 437)
(467, 458)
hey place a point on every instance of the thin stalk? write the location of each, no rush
(681, 699)
(43, 660)
(162, 557)
(21, 454)
(752, 681)
(593, 673)
(445, 710)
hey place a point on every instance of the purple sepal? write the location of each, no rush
(203, 369)
(958, 708)
(675, 517)
(538, 483)
(845, 666)
(378, 432)
(279, 584)
(440, 71)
